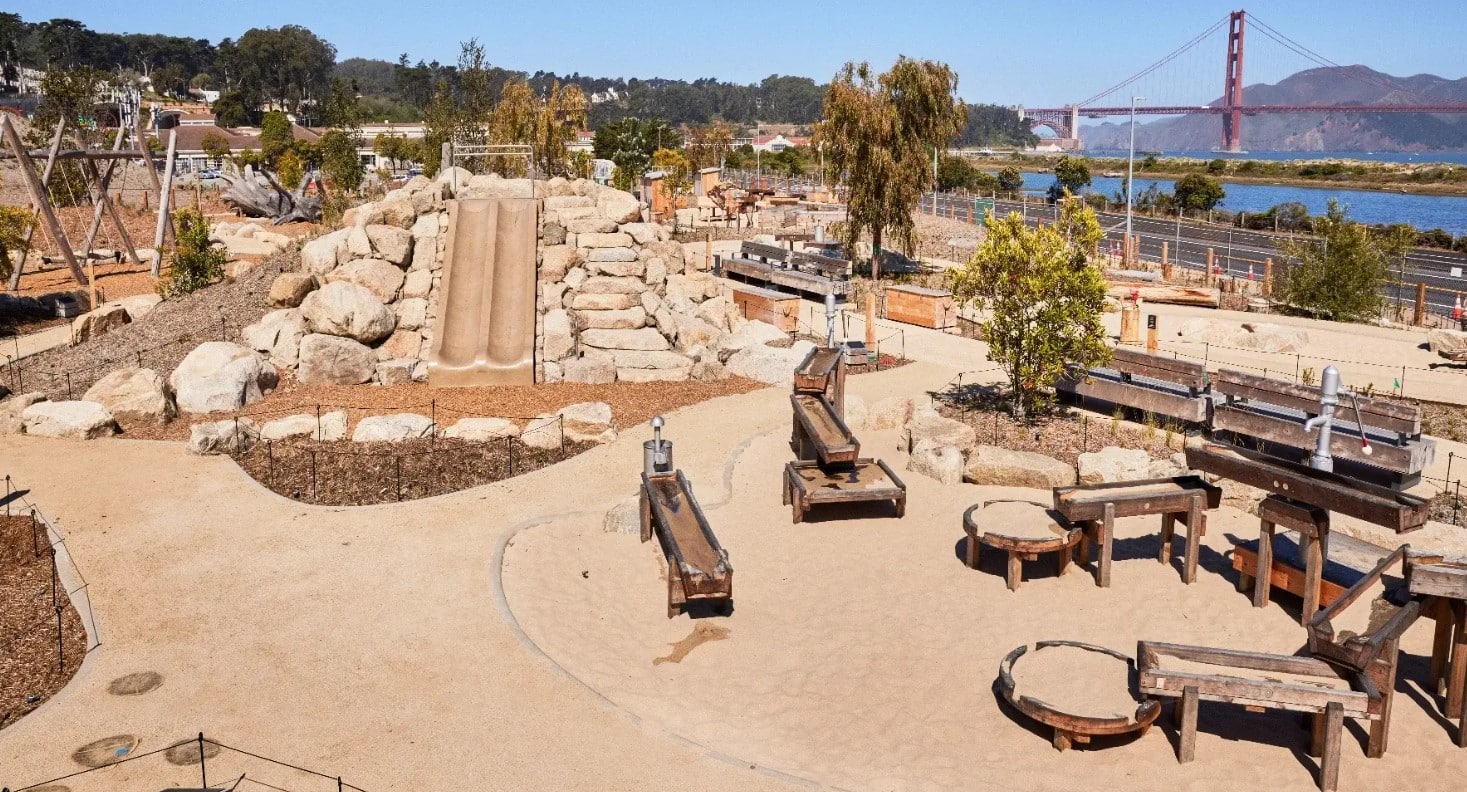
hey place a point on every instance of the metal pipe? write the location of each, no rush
(1329, 397)
(830, 321)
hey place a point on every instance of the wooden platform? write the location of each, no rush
(921, 306)
(807, 484)
(697, 565)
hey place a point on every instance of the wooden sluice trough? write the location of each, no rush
(697, 565)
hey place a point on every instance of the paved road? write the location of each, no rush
(1443, 272)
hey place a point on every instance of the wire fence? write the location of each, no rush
(312, 460)
(230, 766)
(64, 593)
(23, 374)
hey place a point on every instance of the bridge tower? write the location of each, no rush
(1232, 135)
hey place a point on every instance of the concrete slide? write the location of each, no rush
(486, 312)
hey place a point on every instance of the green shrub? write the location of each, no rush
(196, 263)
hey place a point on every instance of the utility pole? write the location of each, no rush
(1131, 175)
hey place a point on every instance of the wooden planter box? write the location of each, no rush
(920, 306)
(766, 305)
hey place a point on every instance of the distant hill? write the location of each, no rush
(1314, 131)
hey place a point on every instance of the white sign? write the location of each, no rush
(1456, 272)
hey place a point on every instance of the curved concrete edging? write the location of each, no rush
(501, 602)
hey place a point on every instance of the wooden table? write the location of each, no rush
(1258, 682)
(1096, 506)
(1312, 525)
(1051, 533)
(1443, 584)
(808, 484)
(1070, 728)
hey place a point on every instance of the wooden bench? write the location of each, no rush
(921, 306)
(1095, 508)
(817, 264)
(1267, 412)
(1442, 587)
(1175, 388)
(1259, 682)
(771, 265)
(766, 305)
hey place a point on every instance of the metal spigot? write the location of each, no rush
(657, 423)
(830, 321)
(1329, 396)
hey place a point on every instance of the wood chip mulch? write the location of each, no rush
(29, 669)
(1063, 433)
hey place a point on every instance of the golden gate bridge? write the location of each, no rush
(1065, 121)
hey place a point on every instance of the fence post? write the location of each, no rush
(68, 386)
(1296, 368)
(433, 416)
(560, 422)
(320, 435)
(203, 771)
(60, 645)
(1457, 503)
(509, 453)
(1403, 380)
(223, 330)
(35, 540)
(270, 464)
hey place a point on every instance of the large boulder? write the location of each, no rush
(74, 420)
(587, 422)
(482, 429)
(619, 207)
(219, 375)
(771, 365)
(375, 275)
(391, 243)
(321, 255)
(11, 409)
(592, 367)
(856, 412)
(100, 322)
(643, 339)
(135, 393)
(558, 337)
(346, 309)
(301, 425)
(1114, 463)
(1448, 343)
(927, 424)
(937, 461)
(890, 413)
(1002, 467)
(695, 333)
(401, 345)
(1247, 335)
(751, 334)
(332, 360)
(218, 437)
(638, 366)
(140, 305)
(392, 428)
(289, 288)
(543, 433)
(628, 319)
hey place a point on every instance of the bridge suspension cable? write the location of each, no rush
(1171, 56)
(1359, 72)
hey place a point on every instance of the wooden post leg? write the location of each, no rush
(1313, 551)
(1196, 529)
(1061, 740)
(1316, 734)
(646, 513)
(1107, 542)
(1263, 570)
(1457, 671)
(1087, 539)
(1062, 561)
(1015, 571)
(1168, 528)
(1329, 764)
(1383, 673)
(1441, 643)
(1187, 738)
(974, 551)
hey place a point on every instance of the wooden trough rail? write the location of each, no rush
(697, 565)
(1177, 388)
(1263, 410)
(1374, 653)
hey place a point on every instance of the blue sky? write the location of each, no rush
(1038, 54)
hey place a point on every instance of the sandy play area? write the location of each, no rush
(500, 638)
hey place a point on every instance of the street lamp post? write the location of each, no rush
(1131, 176)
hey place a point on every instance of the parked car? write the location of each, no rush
(209, 173)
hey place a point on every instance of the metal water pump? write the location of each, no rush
(830, 321)
(657, 453)
(1329, 398)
